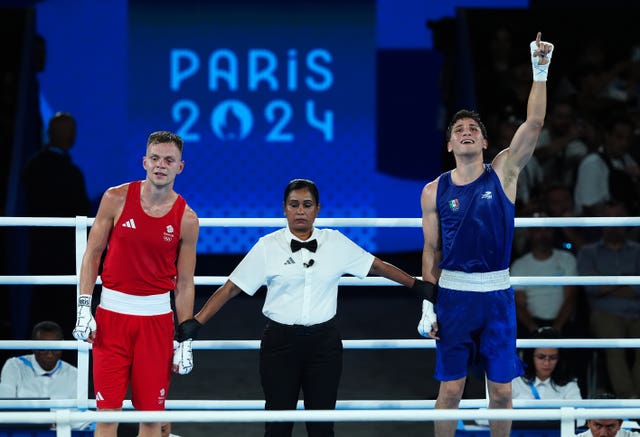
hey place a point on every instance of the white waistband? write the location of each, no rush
(135, 305)
(485, 281)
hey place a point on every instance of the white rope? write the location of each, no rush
(376, 415)
(275, 222)
(419, 343)
(352, 282)
(394, 404)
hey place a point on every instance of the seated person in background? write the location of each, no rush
(609, 173)
(558, 201)
(544, 305)
(615, 309)
(41, 374)
(607, 428)
(545, 374)
(561, 144)
(545, 377)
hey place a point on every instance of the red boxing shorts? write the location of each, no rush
(136, 350)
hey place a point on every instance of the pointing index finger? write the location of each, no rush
(538, 38)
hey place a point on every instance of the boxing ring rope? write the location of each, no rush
(366, 410)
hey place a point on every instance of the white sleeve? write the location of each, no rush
(572, 265)
(9, 379)
(592, 183)
(356, 260)
(250, 274)
(572, 391)
(518, 268)
(519, 390)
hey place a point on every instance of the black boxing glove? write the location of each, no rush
(188, 330)
(425, 290)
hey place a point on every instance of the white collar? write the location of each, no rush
(290, 235)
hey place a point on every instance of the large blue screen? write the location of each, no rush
(263, 92)
(260, 98)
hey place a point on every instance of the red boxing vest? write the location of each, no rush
(143, 250)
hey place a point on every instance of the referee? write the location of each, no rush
(301, 347)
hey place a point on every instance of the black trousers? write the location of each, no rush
(300, 357)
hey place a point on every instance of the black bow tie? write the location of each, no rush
(309, 245)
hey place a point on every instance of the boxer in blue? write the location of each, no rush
(468, 221)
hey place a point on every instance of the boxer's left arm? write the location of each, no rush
(185, 293)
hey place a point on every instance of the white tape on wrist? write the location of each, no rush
(540, 72)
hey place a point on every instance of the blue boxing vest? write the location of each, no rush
(476, 224)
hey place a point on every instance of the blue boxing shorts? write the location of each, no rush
(477, 329)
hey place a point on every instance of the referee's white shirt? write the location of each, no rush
(300, 292)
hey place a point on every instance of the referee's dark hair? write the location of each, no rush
(300, 184)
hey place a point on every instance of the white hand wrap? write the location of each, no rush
(182, 356)
(85, 323)
(425, 326)
(540, 72)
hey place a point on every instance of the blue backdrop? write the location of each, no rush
(262, 93)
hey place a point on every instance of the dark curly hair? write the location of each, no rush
(560, 375)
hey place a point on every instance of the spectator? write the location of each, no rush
(544, 305)
(560, 146)
(41, 374)
(51, 172)
(615, 309)
(54, 187)
(546, 375)
(606, 428)
(558, 202)
(598, 77)
(610, 173)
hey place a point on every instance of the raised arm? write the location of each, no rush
(512, 160)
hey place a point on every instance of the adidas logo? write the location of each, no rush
(289, 261)
(99, 397)
(129, 224)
